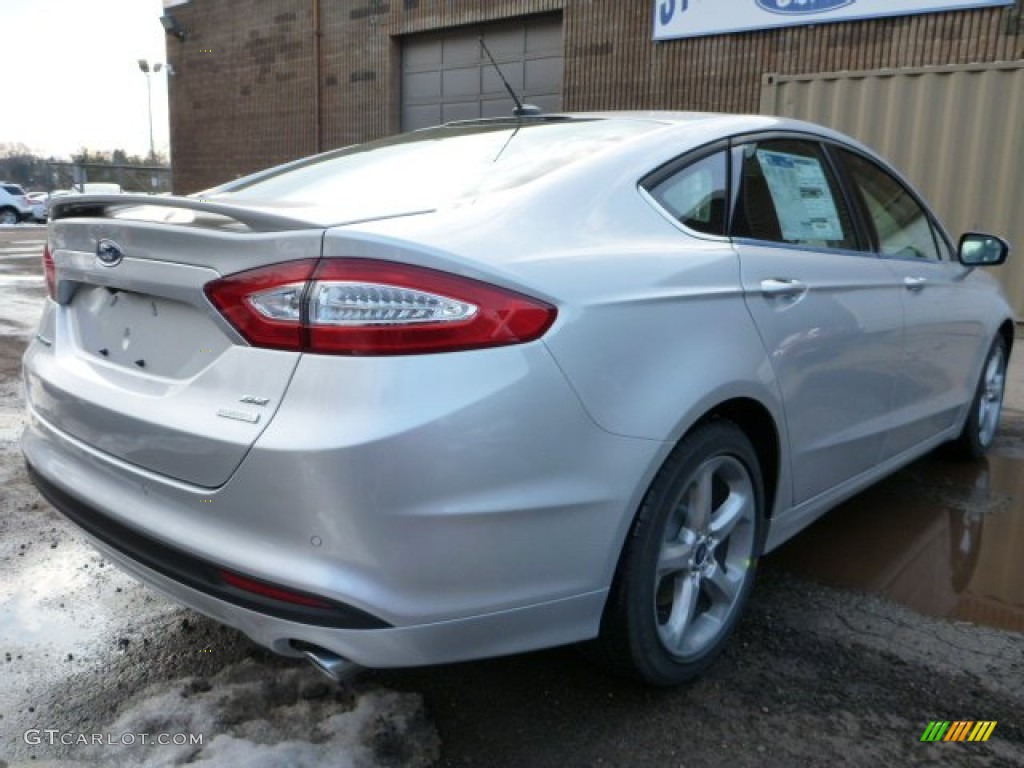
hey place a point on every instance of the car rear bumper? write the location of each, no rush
(533, 627)
(374, 644)
(485, 518)
(188, 570)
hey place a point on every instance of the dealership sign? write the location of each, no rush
(696, 18)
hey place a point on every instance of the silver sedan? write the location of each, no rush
(507, 384)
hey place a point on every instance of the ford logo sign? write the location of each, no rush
(109, 253)
(802, 7)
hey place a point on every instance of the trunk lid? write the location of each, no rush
(133, 360)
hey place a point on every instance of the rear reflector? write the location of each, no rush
(50, 271)
(369, 307)
(269, 590)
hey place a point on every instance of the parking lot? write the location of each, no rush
(904, 606)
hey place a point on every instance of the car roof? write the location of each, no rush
(715, 124)
(656, 116)
(666, 117)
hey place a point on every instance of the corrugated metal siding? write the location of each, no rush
(723, 73)
(956, 132)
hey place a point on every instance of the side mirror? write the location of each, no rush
(980, 250)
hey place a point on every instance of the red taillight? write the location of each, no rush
(50, 270)
(369, 307)
(231, 296)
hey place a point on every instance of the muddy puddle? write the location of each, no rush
(943, 537)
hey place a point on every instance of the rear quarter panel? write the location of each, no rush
(652, 331)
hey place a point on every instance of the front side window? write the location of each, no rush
(789, 194)
(902, 226)
(696, 195)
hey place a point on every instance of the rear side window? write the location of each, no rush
(789, 194)
(14, 189)
(696, 195)
(901, 225)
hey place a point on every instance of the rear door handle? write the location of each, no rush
(915, 284)
(779, 288)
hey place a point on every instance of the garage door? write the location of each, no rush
(446, 76)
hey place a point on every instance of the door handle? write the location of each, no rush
(915, 284)
(778, 288)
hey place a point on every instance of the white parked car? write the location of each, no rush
(14, 204)
(40, 205)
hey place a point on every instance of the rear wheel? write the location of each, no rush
(8, 216)
(983, 419)
(688, 565)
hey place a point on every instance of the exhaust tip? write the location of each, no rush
(337, 668)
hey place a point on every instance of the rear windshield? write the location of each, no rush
(426, 169)
(14, 189)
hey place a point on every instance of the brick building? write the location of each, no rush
(260, 82)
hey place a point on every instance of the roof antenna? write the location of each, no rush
(521, 110)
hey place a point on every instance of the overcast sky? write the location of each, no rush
(71, 77)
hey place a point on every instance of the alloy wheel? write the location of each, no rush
(705, 556)
(990, 404)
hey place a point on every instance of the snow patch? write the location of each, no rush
(252, 715)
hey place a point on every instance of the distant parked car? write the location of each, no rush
(99, 188)
(14, 204)
(504, 384)
(40, 205)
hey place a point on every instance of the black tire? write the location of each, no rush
(665, 621)
(979, 430)
(8, 216)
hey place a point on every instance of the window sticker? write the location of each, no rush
(803, 201)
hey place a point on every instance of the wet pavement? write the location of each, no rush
(943, 537)
(22, 286)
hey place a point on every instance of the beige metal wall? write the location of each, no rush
(957, 132)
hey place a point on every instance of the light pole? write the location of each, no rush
(146, 70)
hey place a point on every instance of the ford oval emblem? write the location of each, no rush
(802, 7)
(109, 253)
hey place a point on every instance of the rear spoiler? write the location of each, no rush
(104, 206)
